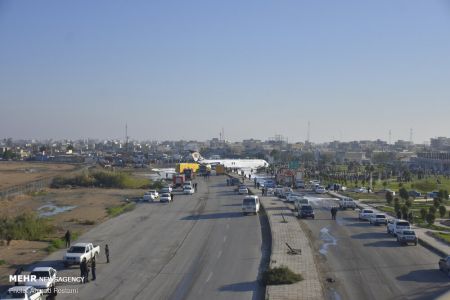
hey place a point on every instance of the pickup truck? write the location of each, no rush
(24, 293)
(407, 236)
(444, 265)
(80, 251)
(42, 278)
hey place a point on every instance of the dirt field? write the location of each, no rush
(14, 173)
(89, 209)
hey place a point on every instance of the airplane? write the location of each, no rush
(231, 163)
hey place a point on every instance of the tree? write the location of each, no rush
(437, 202)
(403, 193)
(432, 210)
(385, 184)
(442, 211)
(396, 204)
(389, 197)
(405, 211)
(408, 203)
(443, 194)
(423, 213)
(430, 219)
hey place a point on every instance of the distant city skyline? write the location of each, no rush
(178, 70)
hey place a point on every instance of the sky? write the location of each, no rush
(186, 69)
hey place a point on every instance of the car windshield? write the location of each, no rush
(16, 295)
(165, 195)
(40, 274)
(381, 216)
(408, 232)
(402, 224)
(76, 249)
(366, 211)
(249, 201)
(306, 207)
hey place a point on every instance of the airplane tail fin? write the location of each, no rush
(196, 156)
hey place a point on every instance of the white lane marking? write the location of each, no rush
(224, 239)
(328, 239)
(219, 254)
(209, 276)
(228, 226)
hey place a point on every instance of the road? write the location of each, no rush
(367, 263)
(198, 247)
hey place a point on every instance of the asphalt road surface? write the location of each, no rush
(367, 263)
(198, 247)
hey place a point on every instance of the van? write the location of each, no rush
(299, 202)
(250, 204)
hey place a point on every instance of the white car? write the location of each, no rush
(292, 198)
(378, 219)
(407, 236)
(45, 278)
(366, 214)
(24, 293)
(243, 190)
(166, 190)
(166, 197)
(345, 203)
(250, 204)
(320, 190)
(188, 190)
(150, 195)
(395, 225)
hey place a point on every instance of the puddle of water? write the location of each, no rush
(49, 210)
(328, 239)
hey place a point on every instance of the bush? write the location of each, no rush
(404, 210)
(2, 262)
(408, 203)
(442, 211)
(423, 213)
(118, 210)
(55, 245)
(437, 202)
(26, 226)
(432, 210)
(119, 180)
(430, 219)
(403, 193)
(389, 197)
(280, 275)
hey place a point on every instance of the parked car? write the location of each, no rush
(250, 204)
(414, 194)
(299, 202)
(407, 236)
(306, 211)
(320, 190)
(395, 225)
(378, 219)
(444, 265)
(45, 278)
(345, 203)
(366, 214)
(150, 195)
(292, 197)
(80, 251)
(243, 190)
(188, 190)
(24, 293)
(165, 198)
(166, 190)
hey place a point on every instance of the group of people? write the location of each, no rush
(91, 266)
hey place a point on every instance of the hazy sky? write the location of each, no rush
(185, 69)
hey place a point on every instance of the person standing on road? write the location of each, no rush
(83, 268)
(107, 253)
(334, 213)
(93, 266)
(171, 197)
(67, 238)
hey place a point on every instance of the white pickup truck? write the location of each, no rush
(80, 251)
(395, 225)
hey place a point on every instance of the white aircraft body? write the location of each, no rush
(232, 163)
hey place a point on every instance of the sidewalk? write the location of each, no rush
(425, 240)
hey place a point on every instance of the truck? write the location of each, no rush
(395, 225)
(80, 251)
(178, 180)
(220, 169)
(444, 265)
(182, 166)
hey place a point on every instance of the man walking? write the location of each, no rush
(83, 270)
(67, 237)
(107, 253)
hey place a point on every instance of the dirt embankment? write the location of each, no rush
(86, 207)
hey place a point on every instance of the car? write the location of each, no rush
(166, 197)
(166, 190)
(243, 190)
(386, 191)
(406, 236)
(45, 278)
(320, 190)
(305, 211)
(378, 219)
(24, 293)
(414, 194)
(444, 265)
(150, 196)
(361, 190)
(345, 203)
(366, 214)
(250, 204)
(395, 225)
(299, 201)
(292, 197)
(188, 190)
